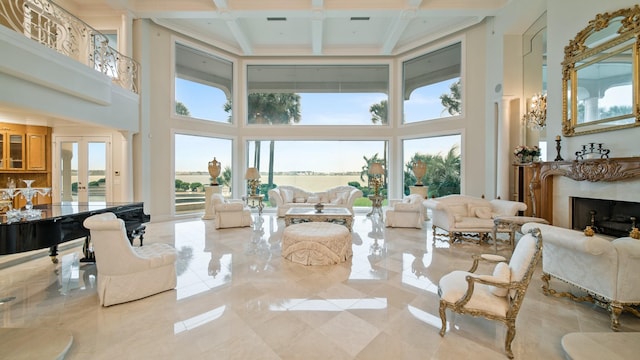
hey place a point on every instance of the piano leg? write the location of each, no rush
(89, 256)
(53, 254)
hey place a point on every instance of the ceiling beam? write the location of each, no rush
(317, 26)
(233, 25)
(395, 31)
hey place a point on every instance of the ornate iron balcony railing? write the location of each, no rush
(53, 26)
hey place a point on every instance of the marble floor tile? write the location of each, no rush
(237, 298)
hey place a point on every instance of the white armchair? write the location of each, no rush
(606, 270)
(495, 297)
(229, 213)
(408, 212)
(126, 273)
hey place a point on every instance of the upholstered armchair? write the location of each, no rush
(606, 269)
(127, 273)
(229, 213)
(495, 297)
(408, 212)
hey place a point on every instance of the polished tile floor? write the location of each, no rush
(238, 299)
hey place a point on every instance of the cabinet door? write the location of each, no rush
(3, 137)
(15, 150)
(36, 157)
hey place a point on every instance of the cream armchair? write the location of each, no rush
(606, 270)
(495, 297)
(408, 212)
(127, 273)
(229, 213)
(462, 214)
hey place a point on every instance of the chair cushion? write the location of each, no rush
(287, 195)
(502, 274)
(453, 286)
(521, 258)
(460, 210)
(483, 212)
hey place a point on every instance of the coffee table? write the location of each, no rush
(514, 223)
(339, 216)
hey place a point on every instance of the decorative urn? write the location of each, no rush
(214, 171)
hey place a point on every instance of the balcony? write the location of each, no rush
(54, 27)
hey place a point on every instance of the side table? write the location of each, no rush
(514, 223)
(376, 205)
(254, 201)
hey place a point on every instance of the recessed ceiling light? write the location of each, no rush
(276, 19)
(359, 18)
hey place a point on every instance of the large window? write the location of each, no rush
(192, 156)
(317, 94)
(431, 85)
(203, 85)
(441, 154)
(316, 165)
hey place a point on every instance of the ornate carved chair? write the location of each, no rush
(127, 273)
(495, 297)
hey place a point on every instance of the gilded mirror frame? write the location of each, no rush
(578, 54)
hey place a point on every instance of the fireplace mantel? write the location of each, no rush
(592, 170)
(613, 169)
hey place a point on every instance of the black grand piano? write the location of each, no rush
(63, 222)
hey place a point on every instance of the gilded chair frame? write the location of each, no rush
(517, 288)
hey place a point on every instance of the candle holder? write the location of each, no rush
(558, 147)
(27, 193)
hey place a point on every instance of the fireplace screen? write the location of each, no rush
(607, 217)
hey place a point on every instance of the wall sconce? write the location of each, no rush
(253, 179)
(376, 170)
(536, 117)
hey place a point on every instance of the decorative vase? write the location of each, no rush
(319, 207)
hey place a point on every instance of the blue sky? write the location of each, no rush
(316, 109)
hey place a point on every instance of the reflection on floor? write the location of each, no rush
(238, 299)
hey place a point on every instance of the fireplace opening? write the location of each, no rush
(607, 217)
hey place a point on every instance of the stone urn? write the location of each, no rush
(419, 168)
(214, 171)
(319, 207)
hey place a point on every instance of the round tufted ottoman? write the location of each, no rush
(316, 243)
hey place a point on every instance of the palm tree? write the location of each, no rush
(379, 114)
(443, 173)
(451, 101)
(270, 108)
(181, 109)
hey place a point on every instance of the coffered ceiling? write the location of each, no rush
(305, 27)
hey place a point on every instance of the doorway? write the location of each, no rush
(81, 169)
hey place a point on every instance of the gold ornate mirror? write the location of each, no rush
(600, 75)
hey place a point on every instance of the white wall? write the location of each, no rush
(561, 29)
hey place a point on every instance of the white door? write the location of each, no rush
(81, 169)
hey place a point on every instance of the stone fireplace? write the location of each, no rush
(614, 180)
(608, 217)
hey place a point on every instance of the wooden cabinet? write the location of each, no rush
(37, 144)
(24, 147)
(12, 147)
(526, 187)
(25, 153)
